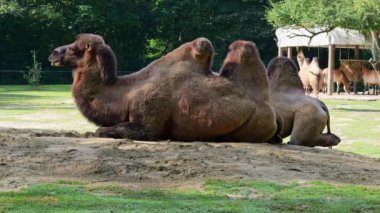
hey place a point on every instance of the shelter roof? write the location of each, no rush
(340, 37)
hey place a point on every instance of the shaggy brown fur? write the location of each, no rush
(175, 97)
(304, 117)
(244, 67)
(339, 77)
(310, 73)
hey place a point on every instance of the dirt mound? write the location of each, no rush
(29, 156)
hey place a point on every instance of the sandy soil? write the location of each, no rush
(32, 156)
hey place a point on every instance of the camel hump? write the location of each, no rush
(203, 46)
(282, 71)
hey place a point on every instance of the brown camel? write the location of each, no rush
(339, 77)
(304, 117)
(175, 97)
(243, 66)
(310, 73)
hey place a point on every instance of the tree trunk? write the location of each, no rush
(375, 48)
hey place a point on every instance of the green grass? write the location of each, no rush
(45, 107)
(358, 124)
(216, 196)
(52, 107)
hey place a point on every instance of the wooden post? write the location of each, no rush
(356, 56)
(280, 53)
(290, 52)
(331, 65)
(357, 52)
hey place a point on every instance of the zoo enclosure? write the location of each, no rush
(290, 37)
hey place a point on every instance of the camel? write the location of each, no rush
(338, 76)
(175, 97)
(304, 117)
(243, 66)
(370, 77)
(310, 73)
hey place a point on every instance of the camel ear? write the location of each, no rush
(106, 60)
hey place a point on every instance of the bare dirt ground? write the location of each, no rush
(33, 156)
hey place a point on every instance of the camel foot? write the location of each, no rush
(134, 131)
(276, 139)
(324, 140)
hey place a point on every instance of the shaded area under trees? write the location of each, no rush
(138, 30)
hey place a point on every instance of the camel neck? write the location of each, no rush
(95, 100)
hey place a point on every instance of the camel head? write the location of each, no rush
(87, 51)
(283, 72)
(300, 57)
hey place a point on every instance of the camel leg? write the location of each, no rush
(365, 85)
(305, 133)
(277, 139)
(316, 139)
(135, 131)
(337, 87)
(346, 88)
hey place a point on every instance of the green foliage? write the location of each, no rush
(139, 31)
(220, 21)
(34, 74)
(362, 15)
(217, 196)
(310, 14)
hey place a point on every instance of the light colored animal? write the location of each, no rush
(244, 67)
(304, 117)
(310, 73)
(338, 77)
(175, 97)
(371, 77)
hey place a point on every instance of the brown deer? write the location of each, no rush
(370, 77)
(338, 77)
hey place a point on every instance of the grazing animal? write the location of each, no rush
(339, 77)
(175, 97)
(243, 66)
(371, 77)
(310, 73)
(304, 117)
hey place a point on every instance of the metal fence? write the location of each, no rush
(12, 77)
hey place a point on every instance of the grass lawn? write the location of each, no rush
(215, 196)
(358, 124)
(47, 107)
(52, 107)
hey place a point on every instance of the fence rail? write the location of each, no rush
(9, 77)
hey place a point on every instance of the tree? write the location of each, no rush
(220, 21)
(362, 15)
(139, 31)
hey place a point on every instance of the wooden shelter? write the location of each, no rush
(294, 37)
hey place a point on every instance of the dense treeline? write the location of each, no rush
(138, 30)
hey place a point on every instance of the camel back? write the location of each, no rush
(352, 69)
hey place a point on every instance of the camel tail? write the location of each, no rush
(324, 107)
